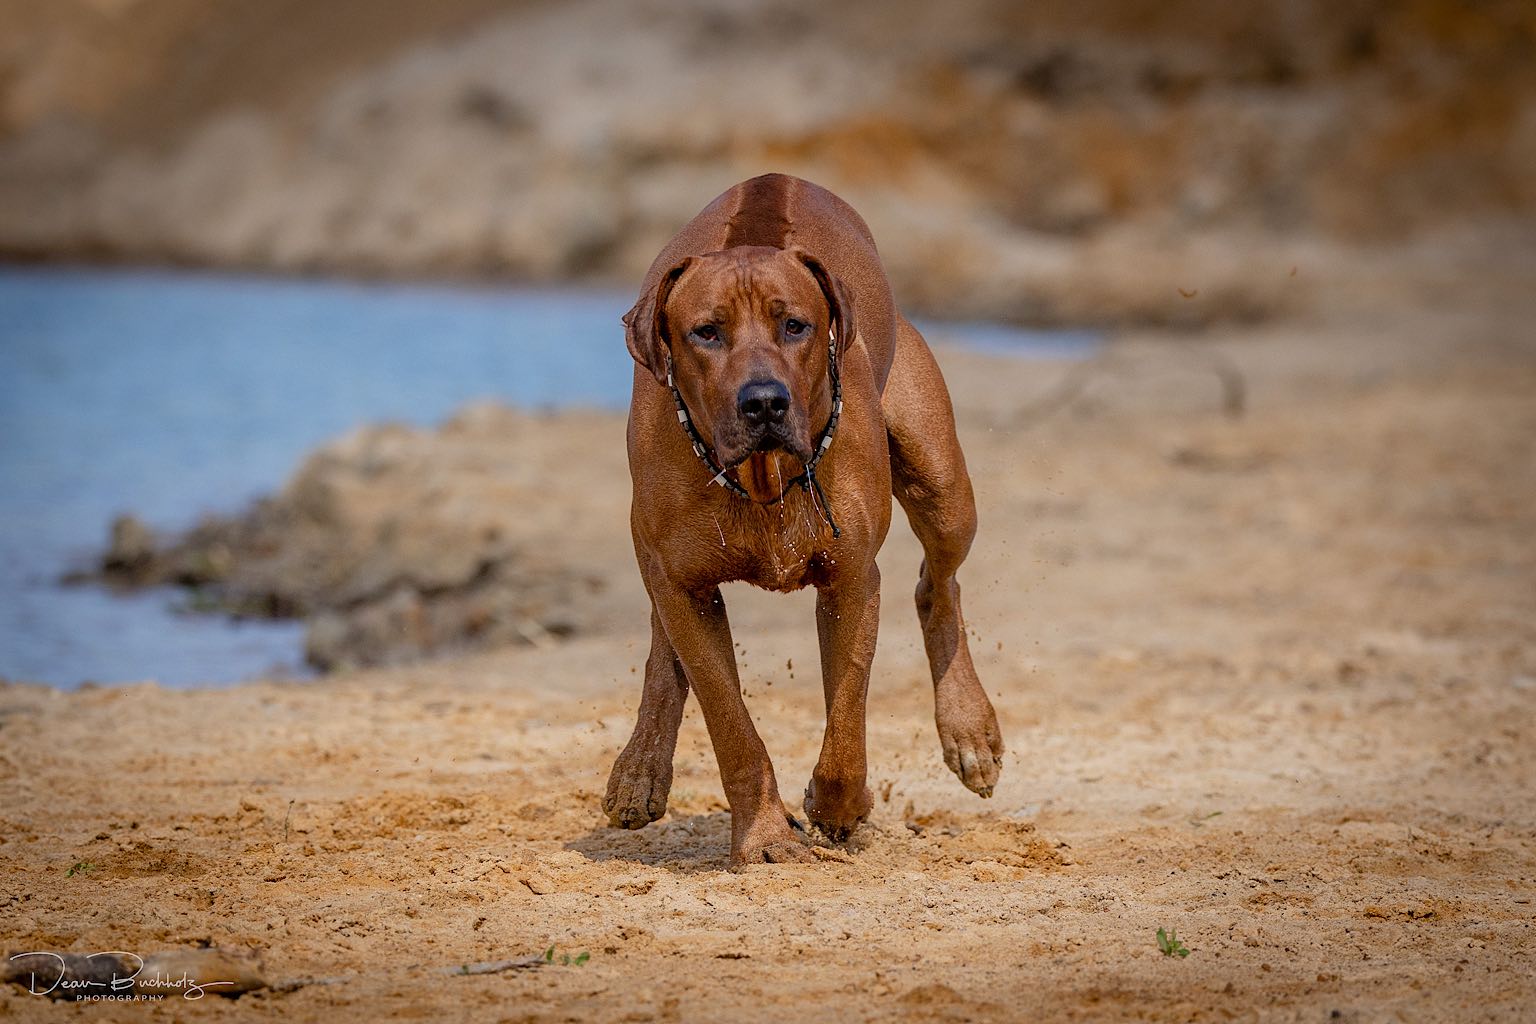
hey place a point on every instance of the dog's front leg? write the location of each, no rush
(701, 635)
(847, 621)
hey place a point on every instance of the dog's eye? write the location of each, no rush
(795, 328)
(706, 332)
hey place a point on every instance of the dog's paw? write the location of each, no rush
(837, 810)
(769, 841)
(972, 742)
(785, 851)
(637, 792)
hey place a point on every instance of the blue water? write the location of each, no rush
(171, 394)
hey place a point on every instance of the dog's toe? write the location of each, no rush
(837, 810)
(788, 853)
(837, 833)
(974, 752)
(979, 771)
(635, 798)
(630, 816)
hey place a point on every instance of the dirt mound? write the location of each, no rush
(393, 543)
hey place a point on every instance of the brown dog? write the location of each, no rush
(779, 401)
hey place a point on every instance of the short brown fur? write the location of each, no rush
(718, 308)
(762, 217)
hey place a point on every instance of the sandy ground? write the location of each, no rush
(1268, 681)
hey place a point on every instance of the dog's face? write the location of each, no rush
(746, 330)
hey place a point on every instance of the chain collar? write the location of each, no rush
(807, 479)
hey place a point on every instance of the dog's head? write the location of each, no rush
(746, 330)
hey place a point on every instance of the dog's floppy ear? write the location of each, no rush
(839, 299)
(645, 325)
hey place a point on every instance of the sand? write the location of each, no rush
(1269, 681)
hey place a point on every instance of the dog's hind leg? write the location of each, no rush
(929, 478)
(642, 776)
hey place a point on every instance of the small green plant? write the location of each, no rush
(566, 960)
(1168, 942)
(80, 867)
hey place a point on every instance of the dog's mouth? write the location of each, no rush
(765, 463)
(765, 441)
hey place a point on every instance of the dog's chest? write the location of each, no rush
(784, 547)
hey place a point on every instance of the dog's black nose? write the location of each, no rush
(763, 401)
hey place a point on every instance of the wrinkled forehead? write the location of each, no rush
(746, 282)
